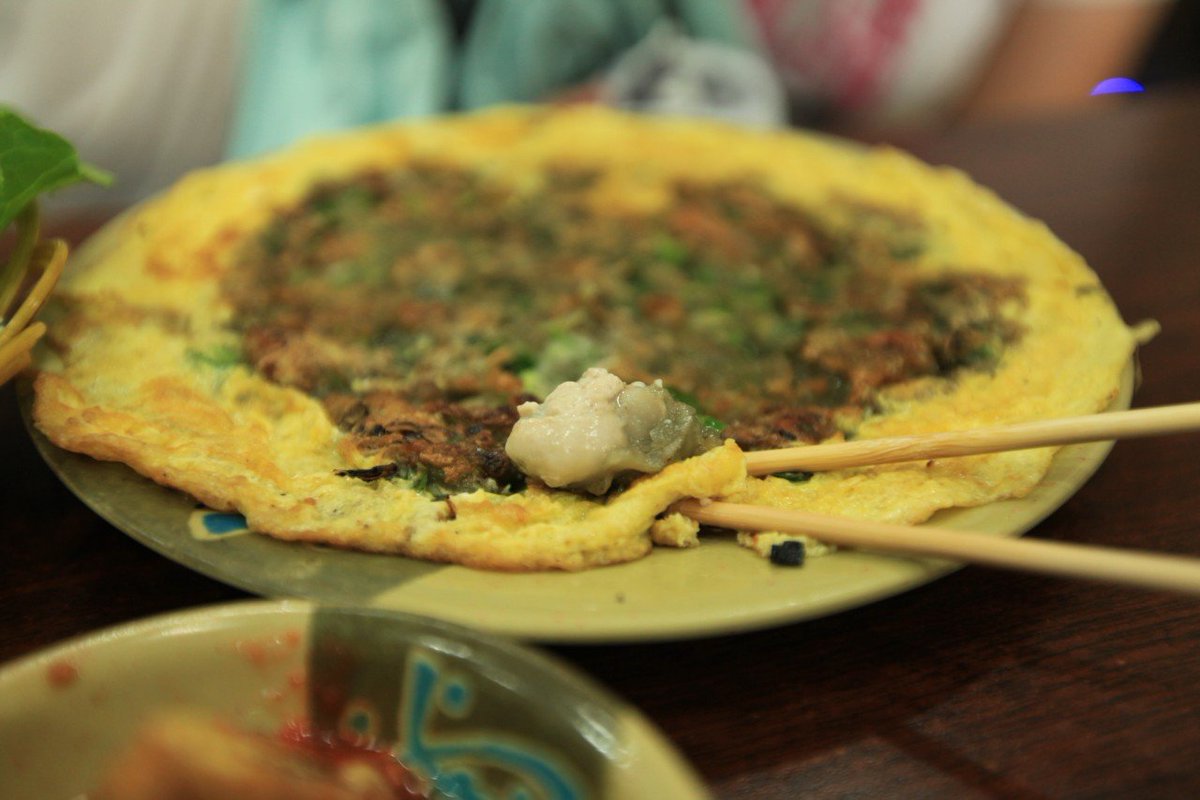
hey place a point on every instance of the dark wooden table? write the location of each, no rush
(982, 684)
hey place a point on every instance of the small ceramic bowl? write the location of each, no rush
(466, 711)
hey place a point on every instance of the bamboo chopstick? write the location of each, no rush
(1132, 567)
(1067, 430)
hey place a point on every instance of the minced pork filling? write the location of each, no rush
(421, 306)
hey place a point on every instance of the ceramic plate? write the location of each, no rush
(717, 588)
(470, 711)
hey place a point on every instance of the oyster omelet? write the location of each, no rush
(334, 340)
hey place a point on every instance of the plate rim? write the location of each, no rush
(592, 629)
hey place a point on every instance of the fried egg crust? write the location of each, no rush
(119, 379)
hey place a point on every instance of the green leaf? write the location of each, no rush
(34, 161)
(668, 248)
(684, 396)
(221, 356)
(520, 362)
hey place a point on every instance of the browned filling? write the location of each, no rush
(421, 306)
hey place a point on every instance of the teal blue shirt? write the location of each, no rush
(320, 65)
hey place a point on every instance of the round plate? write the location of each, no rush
(478, 712)
(716, 588)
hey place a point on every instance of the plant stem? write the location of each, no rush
(12, 274)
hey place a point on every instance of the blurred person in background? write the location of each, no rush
(150, 89)
(932, 62)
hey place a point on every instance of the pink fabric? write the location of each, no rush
(840, 50)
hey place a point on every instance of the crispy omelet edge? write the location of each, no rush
(143, 297)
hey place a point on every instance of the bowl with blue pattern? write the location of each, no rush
(470, 714)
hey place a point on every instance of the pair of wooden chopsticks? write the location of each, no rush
(1148, 570)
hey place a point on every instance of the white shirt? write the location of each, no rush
(142, 88)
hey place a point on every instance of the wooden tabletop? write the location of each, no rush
(981, 684)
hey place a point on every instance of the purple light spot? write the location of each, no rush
(1117, 86)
